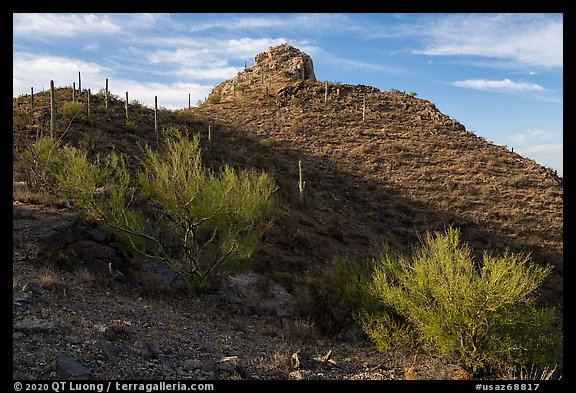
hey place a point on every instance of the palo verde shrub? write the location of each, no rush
(42, 160)
(483, 315)
(173, 208)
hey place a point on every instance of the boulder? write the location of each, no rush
(252, 294)
(70, 368)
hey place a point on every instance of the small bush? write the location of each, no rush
(214, 98)
(296, 129)
(331, 299)
(483, 315)
(241, 88)
(296, 102)
(21, 119)
(43, 158)
(265, 144)
(519, 181)
(130, 125)
(71, 111)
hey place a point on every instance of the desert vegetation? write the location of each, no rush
(171, 208)
(479, 312)
(386, 222)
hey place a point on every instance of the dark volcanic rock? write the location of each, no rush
(70, 368)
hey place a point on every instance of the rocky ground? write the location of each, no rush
(90, 321)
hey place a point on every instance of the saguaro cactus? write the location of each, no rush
(156, 113)
(32, 99)
(73, 91)
(89, 104)
(79, 84)
(52, 109)
(106, 96)
(301, 183)
(126, 106)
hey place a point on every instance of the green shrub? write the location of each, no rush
(42, 159)
(241, 88)
(519, 181)
(194, 220)
(331, 299)
(21, 119)
(483, 315)
(296, 101)
(214, 98)
(71, 110)
(265, 144)
(80, 179)
(130, 125)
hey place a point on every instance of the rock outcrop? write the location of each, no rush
(288, 60)
(280, 63)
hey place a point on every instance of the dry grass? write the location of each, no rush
(49, 279)
(531, 373)
(280, 359)
(299, 330)
(22, 193)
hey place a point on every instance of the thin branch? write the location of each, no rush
(219, 261)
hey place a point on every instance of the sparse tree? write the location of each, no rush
(193, 219)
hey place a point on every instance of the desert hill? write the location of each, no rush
(381, 169)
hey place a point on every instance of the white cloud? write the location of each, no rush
(527, 39)
(530, 135)
(541, 146)
(197, 59)
(35, 71)
(239, 23)
(42, 26)
(206, 50)
(31, 70)
(504, 85)
(307, 21)
(216, 73)
(184, 56)
(523, 40)
(143, 20)
(544, 148)
(549, 155)
(170, 95)
(244, 48)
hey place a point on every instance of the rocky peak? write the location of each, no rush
(287, 59)
(278, 65)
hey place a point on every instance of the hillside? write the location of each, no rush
(404, 169)
(381, 169)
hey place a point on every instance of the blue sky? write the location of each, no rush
(501, 75)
